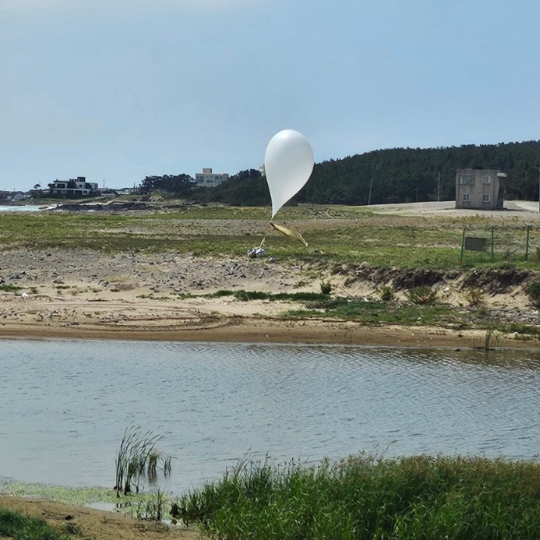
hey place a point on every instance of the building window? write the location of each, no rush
(486, 180)
(485, 198)
(466, 197)
(466, 180)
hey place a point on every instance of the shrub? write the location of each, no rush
(9, 288)
(422, 295)
(387, 293)
(326, 287)
(474, 297)
(533, 291)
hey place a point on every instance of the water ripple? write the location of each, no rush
(65, 404)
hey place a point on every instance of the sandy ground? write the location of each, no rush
(79, 294)
(136, 296)
(95, 524)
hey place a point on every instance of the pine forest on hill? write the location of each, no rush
(379, 177)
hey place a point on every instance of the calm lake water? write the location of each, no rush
(64, 405)
(26, 208)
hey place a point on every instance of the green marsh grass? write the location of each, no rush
(16, 526)
(366, 497)
(137, 458)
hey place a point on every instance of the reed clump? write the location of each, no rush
(138, 458)
(368, 497)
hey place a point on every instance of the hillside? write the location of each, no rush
(392, 176)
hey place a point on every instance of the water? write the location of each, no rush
(25, 208)
(64, 405)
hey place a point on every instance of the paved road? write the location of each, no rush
(522, 209)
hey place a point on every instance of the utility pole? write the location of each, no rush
(538, 168)
(439, 187)
(369, 196)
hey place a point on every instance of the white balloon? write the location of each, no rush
(288, 163)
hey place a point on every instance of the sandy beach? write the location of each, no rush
(80, 294)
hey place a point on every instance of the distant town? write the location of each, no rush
(79, 187)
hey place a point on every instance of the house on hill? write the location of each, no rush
(210, 179)
(480, 189)
(74, 187)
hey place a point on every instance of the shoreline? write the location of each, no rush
(268, 330)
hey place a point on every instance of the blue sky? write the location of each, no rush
(116, 90)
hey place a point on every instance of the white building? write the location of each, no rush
(78, 186)
(210, 179)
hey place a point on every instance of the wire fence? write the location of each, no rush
(501, 243)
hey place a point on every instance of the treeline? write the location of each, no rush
(379, 177)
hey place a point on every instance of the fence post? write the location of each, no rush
(462, 243)
(527, 243)
(491, 242)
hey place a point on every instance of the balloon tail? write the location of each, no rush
(288, 232)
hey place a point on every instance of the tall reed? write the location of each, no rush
(137, 457)
(368, 497)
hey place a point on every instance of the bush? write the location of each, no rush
(387, 293)
(422, 295)
(474, 297)
(326, 287)
(533, 291)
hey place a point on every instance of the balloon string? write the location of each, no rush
(262, 243)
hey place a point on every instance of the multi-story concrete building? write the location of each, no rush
(480, 189)
(210, 179)
(74, 187)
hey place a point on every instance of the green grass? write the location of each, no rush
(9, 288)
(317, 305)
(260, 295)
(367, 497)
(379, 312)
(20, 527)
(334, 234)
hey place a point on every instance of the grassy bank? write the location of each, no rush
(389, 312)
(334, 234)
(16, 526)
(364, 497)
